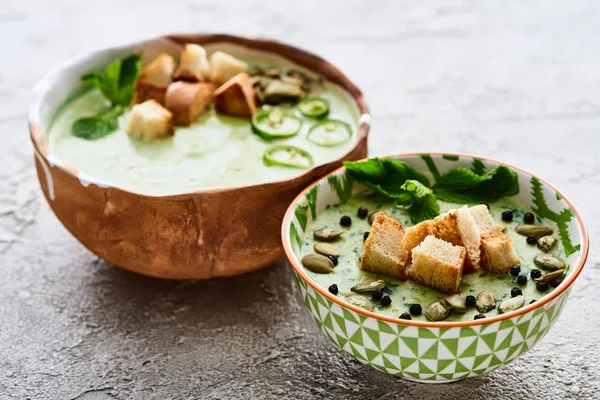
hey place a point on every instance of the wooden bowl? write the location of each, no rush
(199, 235)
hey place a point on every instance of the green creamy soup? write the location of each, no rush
(215, 152)
(404, 293)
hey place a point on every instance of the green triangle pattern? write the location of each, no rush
(398, 345)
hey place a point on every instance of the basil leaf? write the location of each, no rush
(461, 185)
(384, 175)
(130, 69)
(98, 126)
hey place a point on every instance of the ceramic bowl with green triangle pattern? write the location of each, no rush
(435, 352)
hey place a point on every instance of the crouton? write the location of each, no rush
(484, 219)
(154, 79)
(159, 71)
(193, 64)
(497, 253)
(224, 67)
(437, 264)
(459, 228)
(187, 101)
(150, 120)
(414, 235)
(382, 253)
(236, 97)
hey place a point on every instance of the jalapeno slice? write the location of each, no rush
(329, 132)
(288, 156)
(274, 123)
(314, 107)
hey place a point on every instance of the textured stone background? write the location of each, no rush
(516, 80)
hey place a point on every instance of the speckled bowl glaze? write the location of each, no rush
(199, 235)
(441, 351)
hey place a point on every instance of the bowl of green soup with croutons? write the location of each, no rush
(177, 157)
(434, 267)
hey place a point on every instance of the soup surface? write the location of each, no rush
(215, 152)
(405, 293)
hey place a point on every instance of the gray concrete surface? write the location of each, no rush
(516, 80)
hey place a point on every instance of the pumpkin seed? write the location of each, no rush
(360, 301)
(372, 215)
(327, 235)
(436, 312)
(512, 304)
(485, 302)
(549, 262)
(369, 286)
(551, 276)
(545, 243)
(534, 230)
(317, 263)
(454, 302)
(326, 249)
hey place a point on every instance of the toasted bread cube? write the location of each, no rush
(187, 101)
(224, 67)
(497, 253)
(484, 219)
(414, 235)
(150, 120)
(459, 228)
(159, 71)
(193, 64)
(145, 91)
(154, 79)
(236, 97)
(437, 264)
(382, 253)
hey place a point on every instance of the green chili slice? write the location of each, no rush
(288, 156)
(314, 107)
(274, 123)
(329, 132)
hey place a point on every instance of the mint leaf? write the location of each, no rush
(461, 185)
(384, 175)
(117, 82)
(130, 69)
(98, 126)
(422, 203)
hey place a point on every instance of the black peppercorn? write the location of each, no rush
(514, 292)
(345, 221)
(386, 300)
(535, 273)
(542, 286)
(507, 216)
(333, 259)
(333, 289)
(479, 316)
(515, 270)
(555, 282)
(470, 300)
(531, 239)
(363, 212)
(406, 316)
(377, 295)
(532, 301)
(528, 218)
(415, 309)
(365, 235)
(522, 279)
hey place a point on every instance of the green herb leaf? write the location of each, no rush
(98, 126)
(117, 82)
(422, 203)
(460, 185)
(384, 175)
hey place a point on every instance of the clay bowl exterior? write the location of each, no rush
(200, 235)
(436, 352)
